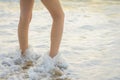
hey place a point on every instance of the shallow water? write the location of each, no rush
(90, 42)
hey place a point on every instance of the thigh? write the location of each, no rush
(26, 7)
(53, 6)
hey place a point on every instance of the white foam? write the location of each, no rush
(8, 64)
(45, 68)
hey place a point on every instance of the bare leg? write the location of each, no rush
(23, 26)
(57, 14)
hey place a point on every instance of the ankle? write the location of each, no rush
(52, 55)
(23, 51)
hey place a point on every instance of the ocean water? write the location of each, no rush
(91, 38)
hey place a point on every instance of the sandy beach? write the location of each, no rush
(90, 43)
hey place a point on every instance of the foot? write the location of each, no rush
(46, 67)
(60, 62)
(30, 56)
(44, 64)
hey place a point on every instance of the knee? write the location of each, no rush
(25, 18)
(58, 16)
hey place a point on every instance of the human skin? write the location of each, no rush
(57, 14)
